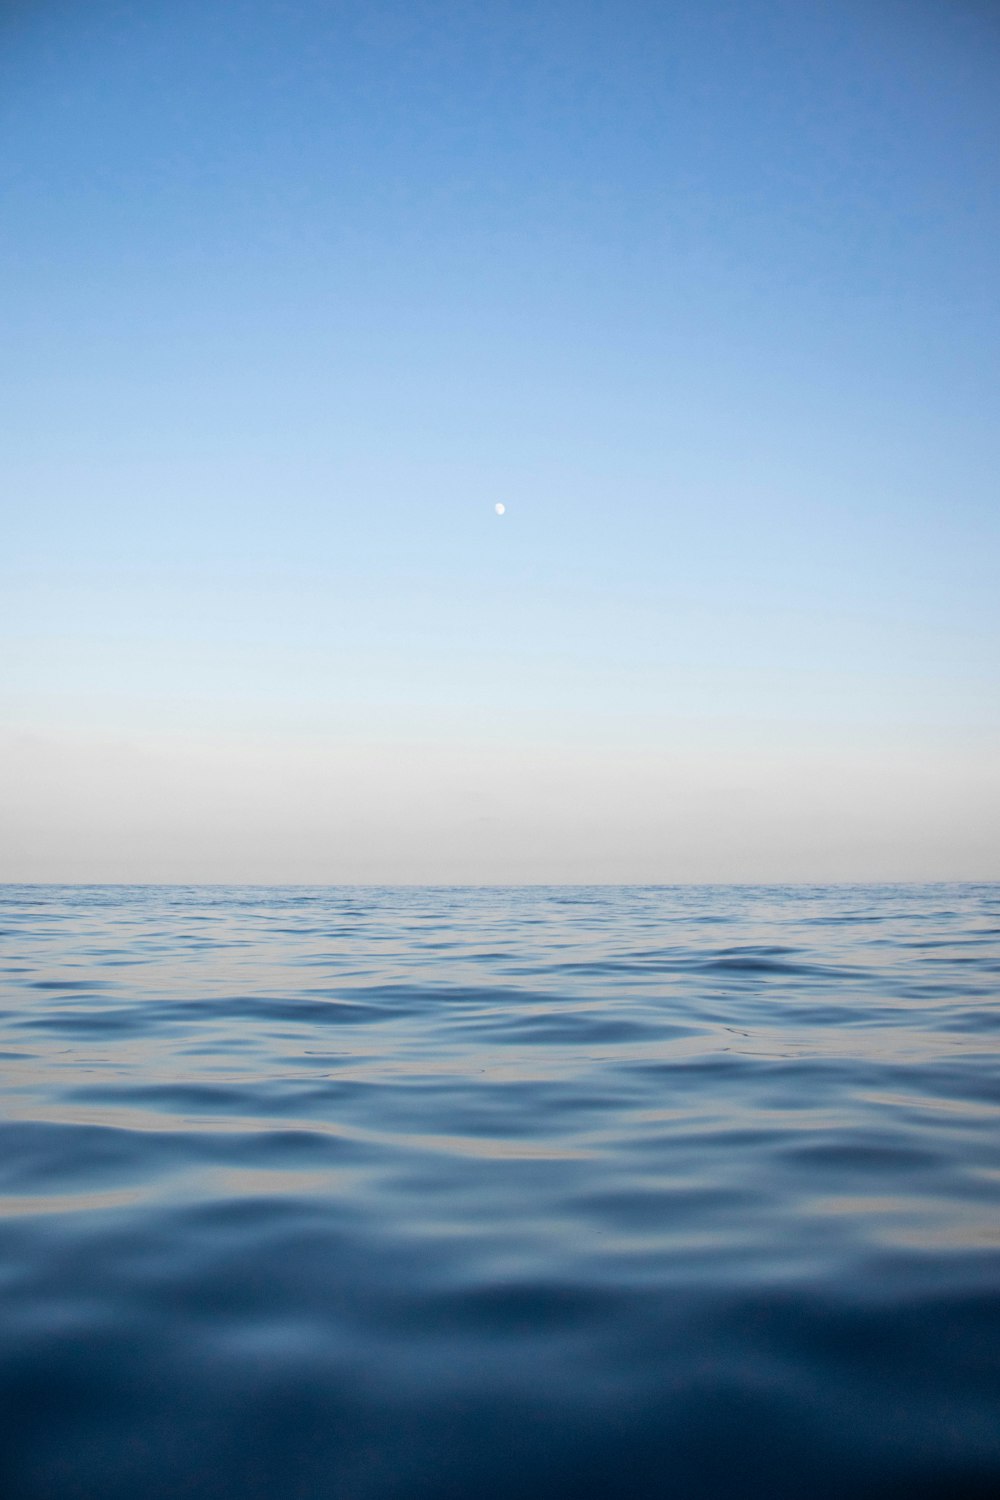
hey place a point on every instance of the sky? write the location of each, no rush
(294, 292)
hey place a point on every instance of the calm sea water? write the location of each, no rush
(349, 1194)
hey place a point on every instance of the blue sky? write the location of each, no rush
(704, 293)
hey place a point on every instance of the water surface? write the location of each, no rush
(350, 1194)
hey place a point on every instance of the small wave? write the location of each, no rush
(568, 1192)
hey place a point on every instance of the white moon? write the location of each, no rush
(499, 509)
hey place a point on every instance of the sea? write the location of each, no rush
(581, 1193)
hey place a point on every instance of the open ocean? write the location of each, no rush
(496, 1194)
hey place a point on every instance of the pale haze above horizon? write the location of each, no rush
(488, 444)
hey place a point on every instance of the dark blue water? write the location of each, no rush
(352, 1194)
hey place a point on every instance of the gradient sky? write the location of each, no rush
(705, 293)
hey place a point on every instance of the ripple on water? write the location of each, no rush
(438, 1193)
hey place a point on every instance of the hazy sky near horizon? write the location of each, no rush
(705, 293)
